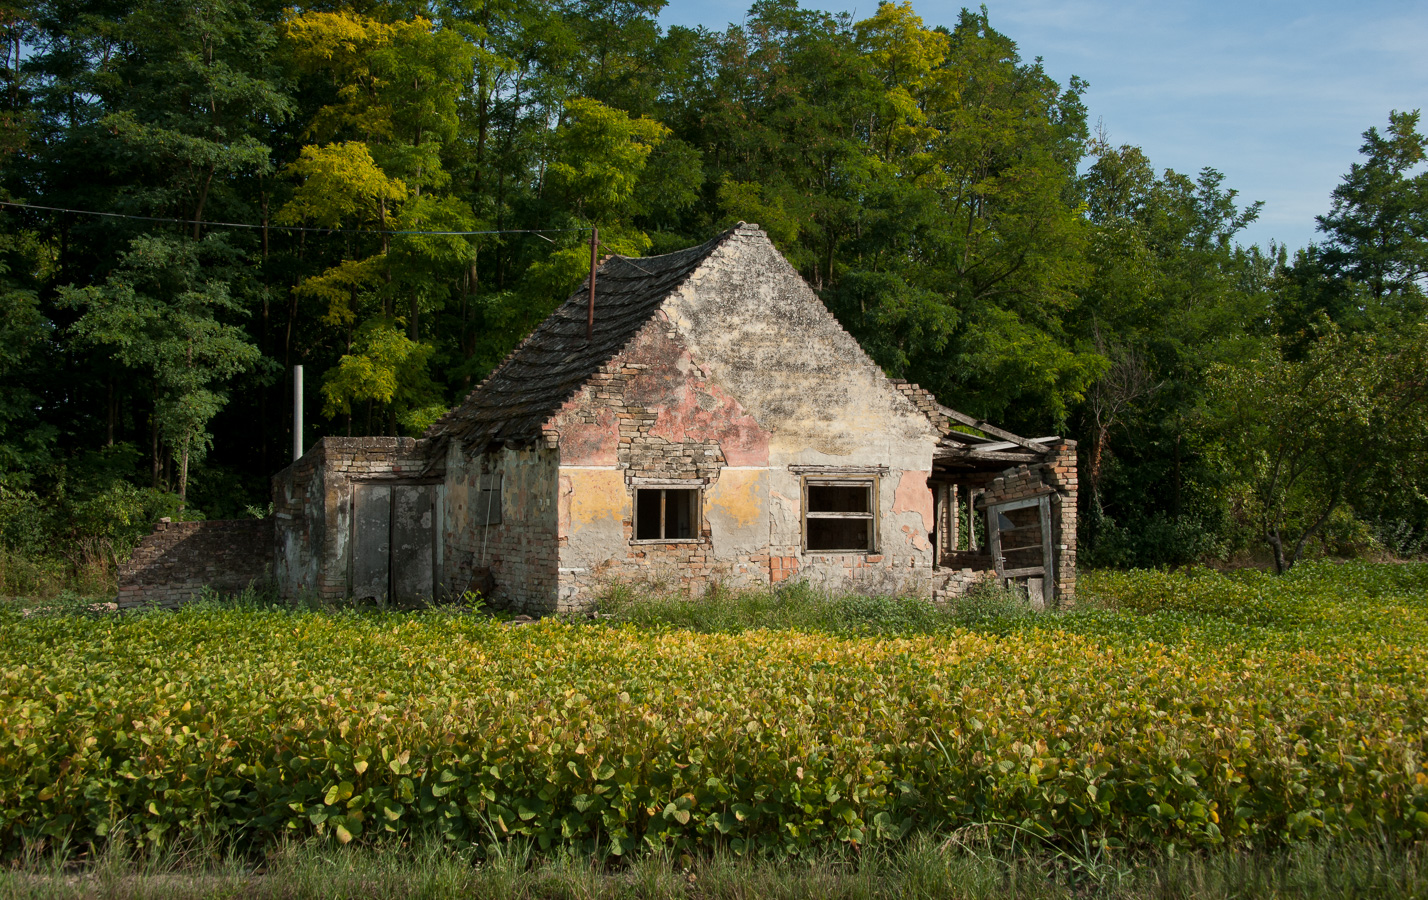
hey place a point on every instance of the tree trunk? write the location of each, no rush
(155, 434)
(202, 199)
(111, 413)
(1277, 545)
(183, 476)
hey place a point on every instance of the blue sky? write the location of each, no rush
(1274, 94)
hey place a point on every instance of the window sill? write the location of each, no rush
(659, 541)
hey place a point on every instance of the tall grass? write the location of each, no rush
(925, 866)
(798, 606)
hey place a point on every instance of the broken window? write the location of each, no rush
(666, 514)
(839, 515)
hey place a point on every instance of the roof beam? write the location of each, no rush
(989, 428)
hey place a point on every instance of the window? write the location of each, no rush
(487, 510)
(666, 514)
(839, 515)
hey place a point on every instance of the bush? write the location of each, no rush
(1207, 710)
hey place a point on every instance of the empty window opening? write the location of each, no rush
(666, 514)
(838, 516)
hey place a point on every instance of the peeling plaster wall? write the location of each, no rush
(312, 508)
(766, 337)
(521, 550)
(741, 376)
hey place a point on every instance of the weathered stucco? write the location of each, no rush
(740, 385)
(312, 507)
(520, 551)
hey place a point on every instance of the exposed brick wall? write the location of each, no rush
(1056, 479)
(522, 550)
(1060, 474)
(178, 560)
(924, 400)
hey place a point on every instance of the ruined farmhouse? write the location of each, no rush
(699, 419)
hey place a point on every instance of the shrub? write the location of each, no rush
(1206, 710)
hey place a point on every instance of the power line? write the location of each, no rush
(109, 215)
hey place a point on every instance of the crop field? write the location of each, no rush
(1177, 711)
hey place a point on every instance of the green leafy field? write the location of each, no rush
(1173, 711)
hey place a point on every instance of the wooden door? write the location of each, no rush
(1019, 536)
(396, 550)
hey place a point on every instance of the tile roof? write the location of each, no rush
(550, 365)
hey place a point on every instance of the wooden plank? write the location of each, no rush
(1009, 550)
(1048, 561)
(994, 541)
(814, 514)
(991, 429)
(1015, 504)
(1007, 445)
(413, 544)
(371, 541)
(1022, 573)
(977, 456)
(971, 519)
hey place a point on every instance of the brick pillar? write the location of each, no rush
(1060, 473)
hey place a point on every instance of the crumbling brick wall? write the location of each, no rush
(1056, 479)
(174, 563)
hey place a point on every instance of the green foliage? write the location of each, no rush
(159, 315)
(599, 155)
(388, 368)
(1304, 436)
(1245, 711)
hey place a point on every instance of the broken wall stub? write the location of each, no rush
(178, 560)
(743, 387)
(314, 501)
(501, 515)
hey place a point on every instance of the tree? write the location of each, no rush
(1304, 436)
(1377, 228)
(397, 92)
(159, 315)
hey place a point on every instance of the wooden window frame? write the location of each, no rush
(698, 512)
(861, 479)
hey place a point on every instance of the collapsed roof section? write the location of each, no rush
(994, 449)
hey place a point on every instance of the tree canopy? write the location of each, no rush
(417, 182)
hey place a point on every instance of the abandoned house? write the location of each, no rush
(699, 419)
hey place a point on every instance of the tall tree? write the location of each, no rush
(162, 318)
(1305, 436)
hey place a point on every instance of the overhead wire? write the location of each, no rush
(538, 232)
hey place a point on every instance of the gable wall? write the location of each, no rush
(742, 381)
(767, 338)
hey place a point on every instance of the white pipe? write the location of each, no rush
(297, 412)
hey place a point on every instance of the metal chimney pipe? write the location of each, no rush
(590, 313)
(297, 412)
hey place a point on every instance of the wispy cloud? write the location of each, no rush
(1274, 93)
